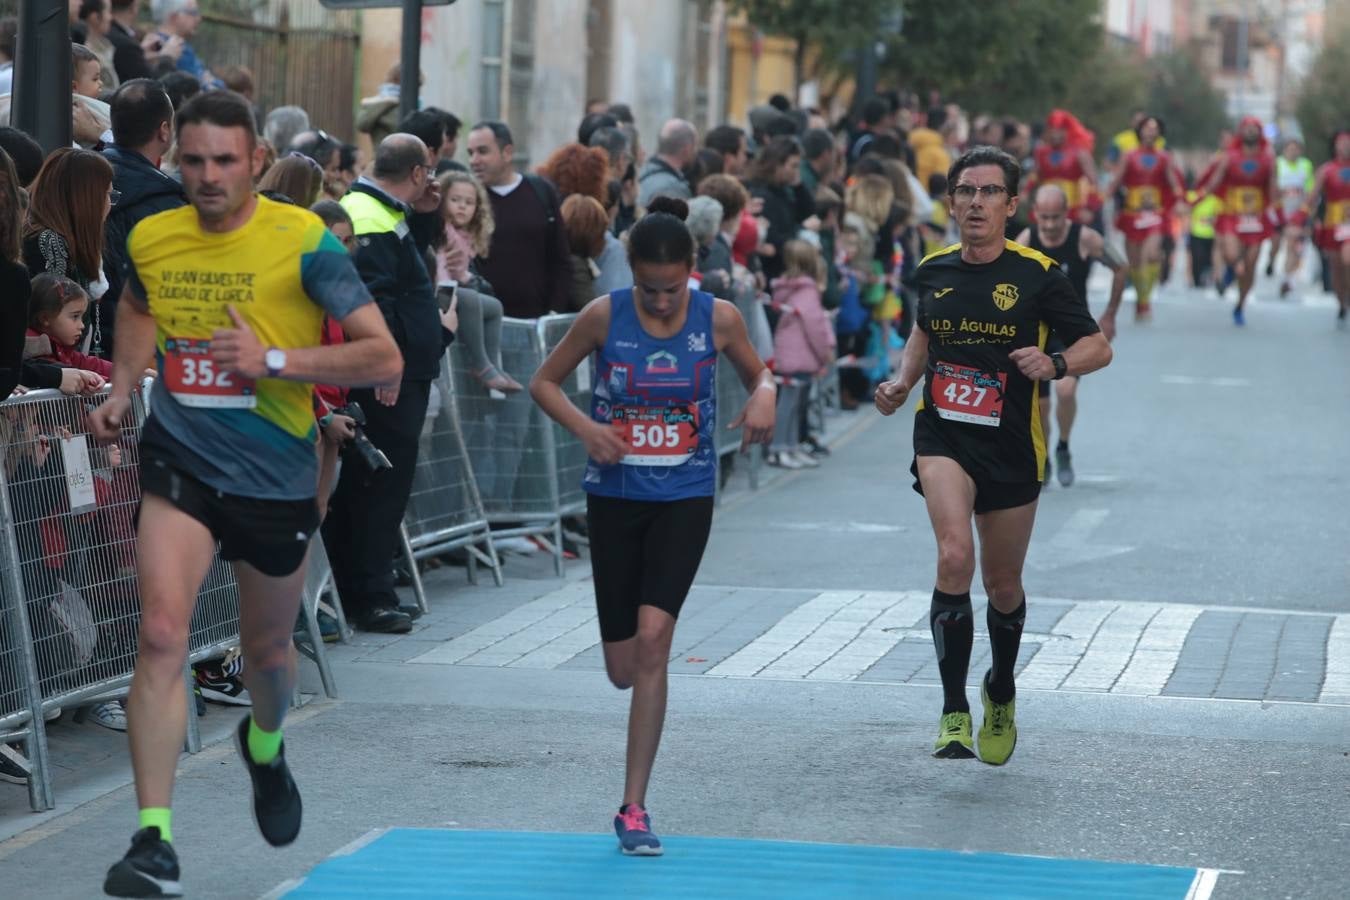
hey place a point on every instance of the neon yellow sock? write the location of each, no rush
(1143, 285)
(158, 817)
(263, 746)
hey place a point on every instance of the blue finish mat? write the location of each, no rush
(406, 862)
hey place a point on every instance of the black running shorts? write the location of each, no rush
(990, 495)
(272, 536)
(643, 553)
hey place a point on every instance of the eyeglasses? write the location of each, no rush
(987, 191)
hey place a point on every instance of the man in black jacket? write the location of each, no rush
(361, 532)
(142, 127)
(128, 55)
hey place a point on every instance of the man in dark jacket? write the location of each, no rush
(142, 127)
(361, 532)
(128, 55)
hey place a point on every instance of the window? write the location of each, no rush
(521, 78)
(490, 85)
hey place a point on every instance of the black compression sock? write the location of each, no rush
(953, 627)
(1005, 637)
(1062, 445)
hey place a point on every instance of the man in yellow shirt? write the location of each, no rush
(228, 296)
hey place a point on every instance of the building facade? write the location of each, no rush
(536, 64)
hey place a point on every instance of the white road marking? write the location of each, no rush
(1219, 381)
(875, 641)
(834, 633)
(1055, 661)
(562, 648)
(501, 628)
(790, 631)
(1111, 648)
(1155, 657)
(841, 527)
(1071, 545)
(1336, 686)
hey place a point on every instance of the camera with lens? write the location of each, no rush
(371, 457)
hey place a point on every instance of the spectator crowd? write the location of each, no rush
(811, 227)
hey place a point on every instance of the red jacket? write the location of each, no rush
(40, 346)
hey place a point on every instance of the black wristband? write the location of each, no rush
(1061, 367)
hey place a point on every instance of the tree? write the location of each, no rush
(1181, 92)
(837, 29)
(1322, 109)
(1118, 86)
(1009, 59)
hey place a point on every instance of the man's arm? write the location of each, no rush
(368, 357)
(1093, 245)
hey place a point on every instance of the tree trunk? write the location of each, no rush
(799, 65)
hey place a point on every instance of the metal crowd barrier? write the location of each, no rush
(445, 510)
(569, 453)
(511, 443)
(68, 570)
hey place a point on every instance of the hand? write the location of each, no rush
(172, 48)
(1107, 323)
(238, 349)
(106, 420)
(114, 455)
(19, 391)
(387, 394)
(757, 417)
(456, 257)
(450, 318)
(42, 448)
(340, 429)
(430, 201)
(76, 382)
(603, 444)
(812, 223)
(890, 396)
(151, 43)
(1033, 363)
(756, 206)
(150, 373)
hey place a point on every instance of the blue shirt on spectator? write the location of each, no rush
(190, 62)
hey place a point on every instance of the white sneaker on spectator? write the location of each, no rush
(804, 460)
(520, 545)
(784, 460)
(109, 714)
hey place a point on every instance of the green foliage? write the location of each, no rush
(1118, 86)
(1008, 59)
(838, 29)
(1324, 100)
(1181, 92)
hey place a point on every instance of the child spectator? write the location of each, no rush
(466, 237)
(56, 310)
(803, 346)
(86, 72)
(335, 429)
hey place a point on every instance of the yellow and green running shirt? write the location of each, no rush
(282, 271)
(977, 406)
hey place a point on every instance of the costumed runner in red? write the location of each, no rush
(1151, 187)
(1244, 180)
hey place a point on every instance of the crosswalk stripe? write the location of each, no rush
(1056, 659)
(1159, 648)
(1111, 647)
(835, 632)
(1336, 686)
(502, 627)
(789, 631)
(533, 637)
(875, 641)
(562, 648)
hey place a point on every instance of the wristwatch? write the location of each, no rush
(275, 360)
(1061, 367)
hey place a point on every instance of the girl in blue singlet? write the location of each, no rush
(653, 467)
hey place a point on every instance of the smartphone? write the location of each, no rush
(445, 294)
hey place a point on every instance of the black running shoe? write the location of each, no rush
(276, 799)
(1064, 466)
(150, 869)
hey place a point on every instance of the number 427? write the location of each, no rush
(960, 395)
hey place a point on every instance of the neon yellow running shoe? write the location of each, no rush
(998, 734)
(954, 740)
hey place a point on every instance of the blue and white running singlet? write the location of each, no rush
(661, 395)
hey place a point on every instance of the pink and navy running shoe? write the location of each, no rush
(634, 827)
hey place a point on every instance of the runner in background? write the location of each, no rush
(652, 467)
(1294, 176)
(1151, 187)
(1073, 248)
(1244, 179)
(1064, 159)
(1332, 188)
